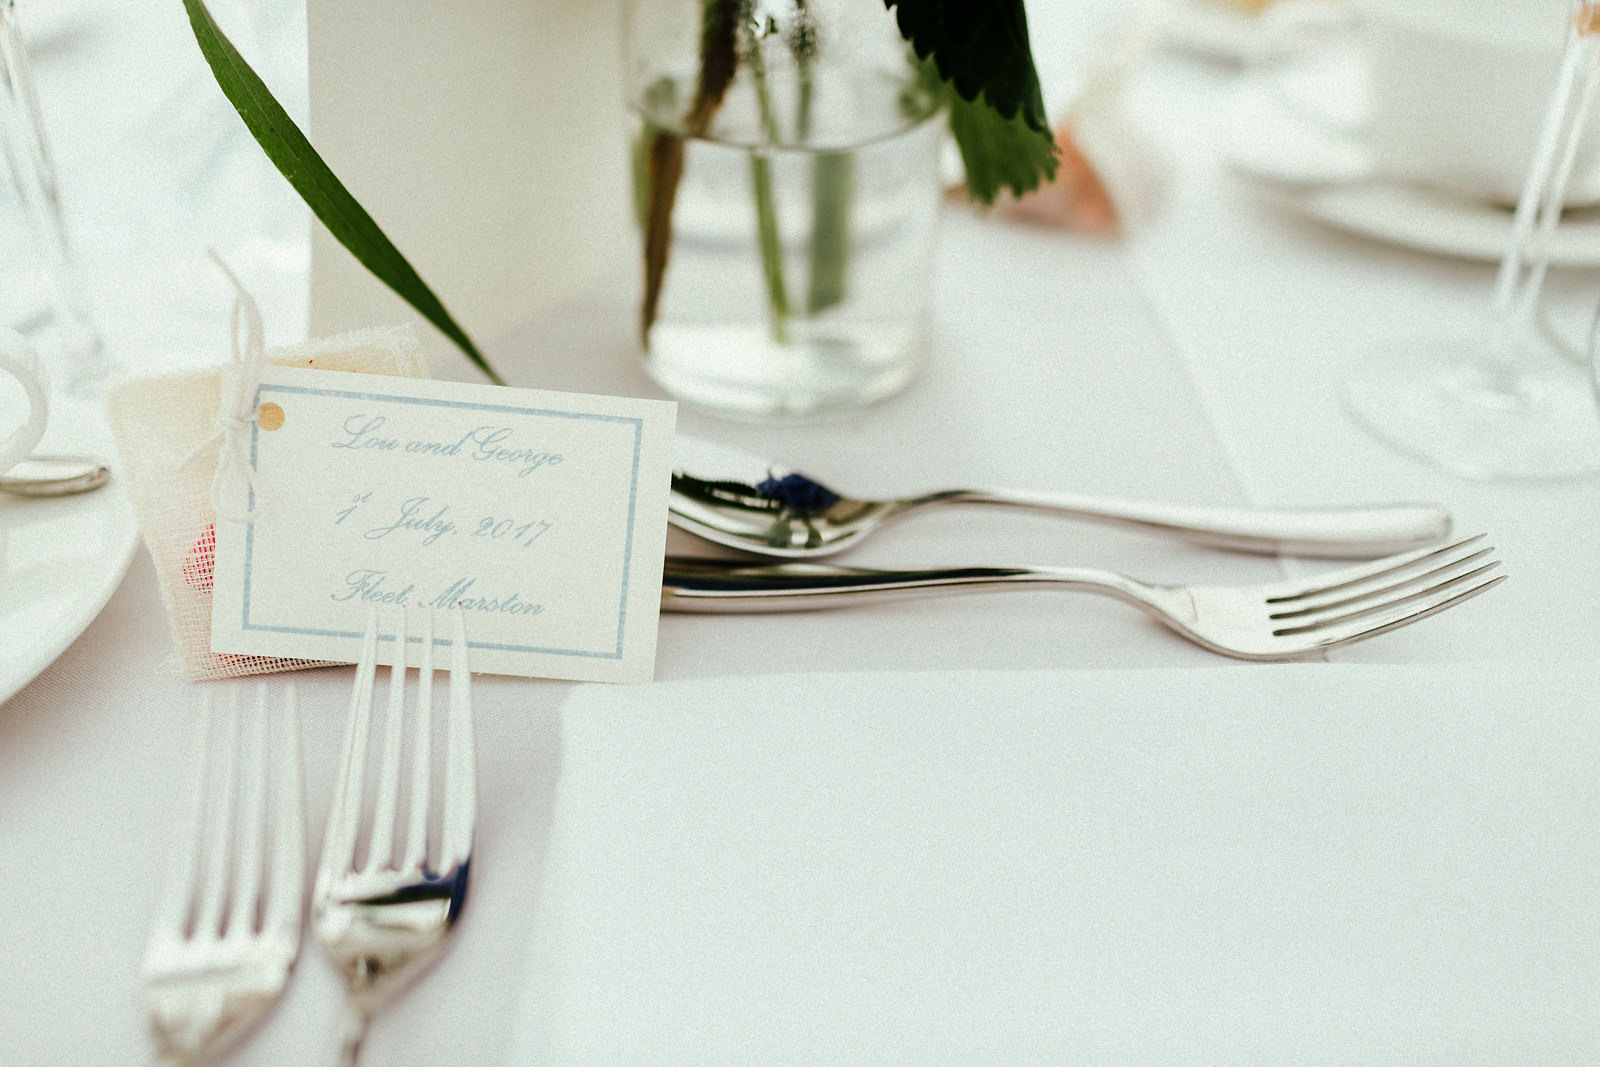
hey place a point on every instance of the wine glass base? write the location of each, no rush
(1478, 417)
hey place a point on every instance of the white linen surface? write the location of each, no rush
(1308, 864)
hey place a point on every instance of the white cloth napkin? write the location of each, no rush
(1300, 864)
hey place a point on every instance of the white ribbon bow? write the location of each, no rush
(236, 478)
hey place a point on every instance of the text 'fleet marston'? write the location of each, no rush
(371, 587)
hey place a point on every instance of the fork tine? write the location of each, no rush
(460, 810)
(381, 855)
(369, 922)
(1404, 616)
(177, 900)
(344, 818)
(252, 810)
(1400, 603)
(219, 822)
(1367, 592)
(1350, 577)
(421, 754)
(283, 906)
(205, 982)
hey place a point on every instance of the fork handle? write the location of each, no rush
(720, 587)
(1360, 532)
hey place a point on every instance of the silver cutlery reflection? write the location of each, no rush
(54, 476)
(383, 917)
(1275, 620)
(227, 930)
(749, 503)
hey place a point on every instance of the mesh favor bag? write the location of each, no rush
(159, 424)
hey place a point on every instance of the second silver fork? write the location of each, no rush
(383, 918)
(1270, 621)
(228, 929)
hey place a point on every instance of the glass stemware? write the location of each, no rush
(59, 325)
(1497, 401)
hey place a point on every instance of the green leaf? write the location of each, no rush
(980, 50)
(980, 46)
(999, 153)
(317, 185)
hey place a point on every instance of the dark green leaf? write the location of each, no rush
(980, 50)
(980, 46)
(317, 185)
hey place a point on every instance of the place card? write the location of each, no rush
(540, 515)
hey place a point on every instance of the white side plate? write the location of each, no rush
(60, 559)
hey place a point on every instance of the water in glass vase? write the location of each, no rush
(798, 272)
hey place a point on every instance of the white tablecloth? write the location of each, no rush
(1197, 360)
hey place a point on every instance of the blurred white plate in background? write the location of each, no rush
(1442, 223)
(1295, 133)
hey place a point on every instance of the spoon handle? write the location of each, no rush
(1337, 533)
(40, 475)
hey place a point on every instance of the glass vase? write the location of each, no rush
(786, 179)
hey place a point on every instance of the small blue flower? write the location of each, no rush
(797, 493)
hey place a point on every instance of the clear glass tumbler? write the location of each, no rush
(786, 165)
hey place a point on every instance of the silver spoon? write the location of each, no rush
(54, 476)
(749, 503)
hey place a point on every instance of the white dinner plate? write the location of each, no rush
(1294, 132)
(60, 559)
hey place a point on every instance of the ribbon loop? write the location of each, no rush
(236, 477)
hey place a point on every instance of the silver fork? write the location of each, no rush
(383, 919)
(1276, 620)
(227, 931)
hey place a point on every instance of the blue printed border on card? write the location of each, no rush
(627, 556)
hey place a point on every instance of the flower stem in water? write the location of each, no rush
(771, 242)
(663, 155)
(832, 180)
(769, 234)
(832, 186)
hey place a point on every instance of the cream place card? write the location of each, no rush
(540, 515)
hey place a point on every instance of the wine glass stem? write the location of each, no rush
(32, 169)
(1523, 268)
